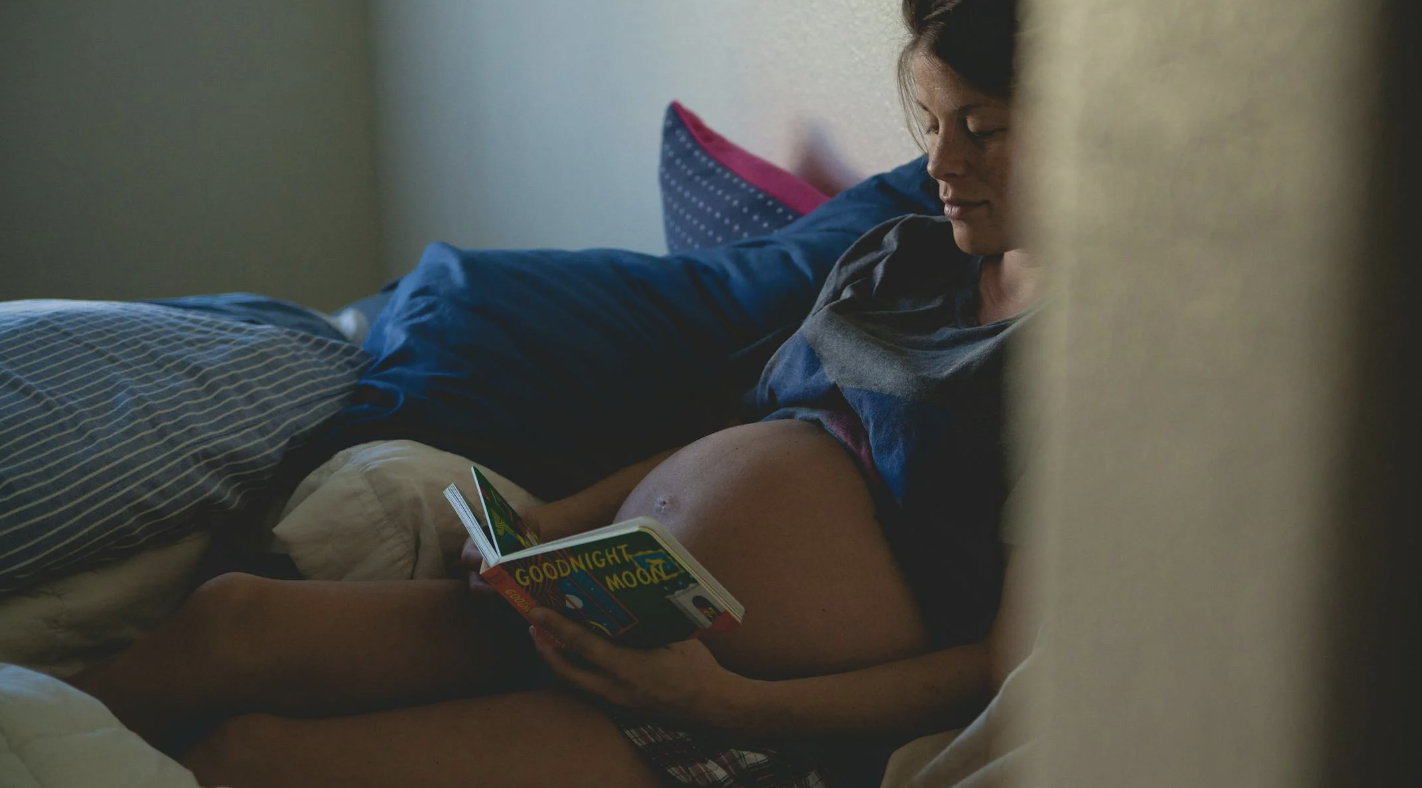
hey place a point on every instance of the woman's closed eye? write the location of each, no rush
(976, 134)
(984, 134)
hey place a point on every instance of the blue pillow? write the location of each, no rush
(557, 368)
(124, 424)
(715, 192)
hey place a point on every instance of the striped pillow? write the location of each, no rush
(123, 424)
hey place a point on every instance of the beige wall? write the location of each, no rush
(537, 122)
(1229, 495)
(157, 148)
(161, 147)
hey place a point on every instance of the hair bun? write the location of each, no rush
(919, 13)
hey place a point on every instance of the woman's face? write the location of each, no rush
(969, 153)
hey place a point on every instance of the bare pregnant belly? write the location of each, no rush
(779, 513)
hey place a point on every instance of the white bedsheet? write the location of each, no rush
(54, 736)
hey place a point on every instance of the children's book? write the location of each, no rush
(631, 581)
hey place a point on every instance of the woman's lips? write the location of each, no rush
(957, 209)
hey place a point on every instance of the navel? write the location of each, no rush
(662, 505)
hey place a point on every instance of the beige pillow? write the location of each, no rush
(63, 626)
(377, 512)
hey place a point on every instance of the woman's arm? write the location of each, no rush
(1014, 632)
(914, 696)
(932, 692)
(597, 505)
(594, 507)
(683, 682)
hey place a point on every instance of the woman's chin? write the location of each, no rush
(975, 242)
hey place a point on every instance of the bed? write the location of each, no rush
(149, 445)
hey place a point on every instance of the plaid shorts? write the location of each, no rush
(704, 760)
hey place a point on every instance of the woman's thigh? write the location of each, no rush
(309, 648)
(323, 648)
(544, 738)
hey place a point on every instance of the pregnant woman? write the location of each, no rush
(856, 515)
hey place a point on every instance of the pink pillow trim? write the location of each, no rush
(796, 194)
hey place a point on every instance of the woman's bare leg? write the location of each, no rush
(545, 738)
(306, 648)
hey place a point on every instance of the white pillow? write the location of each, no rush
(65, 625)
(377, 512)
(55, 736)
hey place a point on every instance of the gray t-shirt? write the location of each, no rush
(893, 362)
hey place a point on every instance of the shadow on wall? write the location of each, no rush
(815, 159)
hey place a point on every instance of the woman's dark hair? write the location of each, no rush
(975, 38)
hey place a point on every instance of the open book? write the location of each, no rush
(631, 581)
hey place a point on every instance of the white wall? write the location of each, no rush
(536, 123)
(168, 147)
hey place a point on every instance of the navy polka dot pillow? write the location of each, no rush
(715, 192)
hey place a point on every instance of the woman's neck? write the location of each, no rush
(1009, 285)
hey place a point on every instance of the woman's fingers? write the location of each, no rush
(470, 556)
(473, 563)
(574, 637)
(577, 675)
(674, 681)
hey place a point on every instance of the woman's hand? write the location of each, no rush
(681, 682)
(473, 562)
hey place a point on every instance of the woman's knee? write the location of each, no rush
(234, 599)
(229, 617)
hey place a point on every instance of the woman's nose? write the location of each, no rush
(947, 157)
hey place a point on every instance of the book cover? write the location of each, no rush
(627, 586)
(506, 527)
(631, 582)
